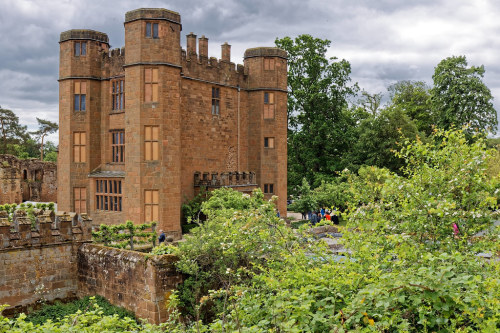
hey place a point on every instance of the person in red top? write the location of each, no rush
(328, 217)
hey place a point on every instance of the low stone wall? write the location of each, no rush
(39, 261)
(136, 281)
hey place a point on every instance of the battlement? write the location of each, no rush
(152, 13)
(49, 228)
(224, 179)
(84, 34)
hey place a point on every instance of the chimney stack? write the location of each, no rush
(226, 52)
(203, 47)
(191, 45)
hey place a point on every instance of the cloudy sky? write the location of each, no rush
(384, 40)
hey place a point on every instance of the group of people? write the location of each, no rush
(317, 216)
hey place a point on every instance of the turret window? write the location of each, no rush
(151, 85)
(269, 64)
(80, 49)
(268, 142)
(80, 96)
(268, 105)
(268, 188)
(151, 30)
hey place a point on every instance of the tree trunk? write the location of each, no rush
(41, 150)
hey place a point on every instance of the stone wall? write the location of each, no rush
(130, 279)
(40, 261)
(27, 180)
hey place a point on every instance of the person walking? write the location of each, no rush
(162, 237)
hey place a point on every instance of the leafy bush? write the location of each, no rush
(90, 320)
(59, 310)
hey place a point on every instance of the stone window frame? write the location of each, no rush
(215, 101)
(269, 188)
(79, 147)
(80, 199)
(108, 194)
(269, 142)
(151, 205)
(269, 106)
(151, 86)
(118, 146)
(269, 64)
(79, 49)
(150, 31)
(117, 94)
(151, 143)
(80, 96)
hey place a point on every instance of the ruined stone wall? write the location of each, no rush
(129, 279)
(27, 180)
(39, 261)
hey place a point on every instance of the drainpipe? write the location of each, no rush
(238, 128)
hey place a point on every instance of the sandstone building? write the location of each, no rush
(142, 127)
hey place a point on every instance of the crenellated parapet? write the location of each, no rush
(48, 228)
(224, 179)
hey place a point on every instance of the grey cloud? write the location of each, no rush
(385, 40)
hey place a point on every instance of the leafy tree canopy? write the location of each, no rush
(460, 97)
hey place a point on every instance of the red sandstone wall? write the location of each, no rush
(128, 279)
(39, 262)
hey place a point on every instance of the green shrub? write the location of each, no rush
(59, 310)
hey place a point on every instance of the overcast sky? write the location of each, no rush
(384, 40)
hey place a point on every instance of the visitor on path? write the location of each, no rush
(278, 213)
(335, 218)
(161, 239)
(322, 212)
(327, 216)
(314, 218)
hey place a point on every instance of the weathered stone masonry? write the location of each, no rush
(168, 91)
(55, 260)
(27, 180)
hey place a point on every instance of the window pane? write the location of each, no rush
(147, 151)
(266, 142)
(77, 87)
(120, 204)
(83, 88)
(120, 187)
(155, 75)
(147, 133)
(155, 93)
(266, 98)
(77, 102)
(147, 75)
(148, 29)
(77, 49)
(271, 98)
(155, 133)
(84, 48)
(156, 153)
(155, 197)
(155, 30)
(155, 213)
(82, 99)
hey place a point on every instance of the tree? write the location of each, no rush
(318, 92)
(378, 138)
(45, 127)
(414, 99)
(460, 97)
(11, 131)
